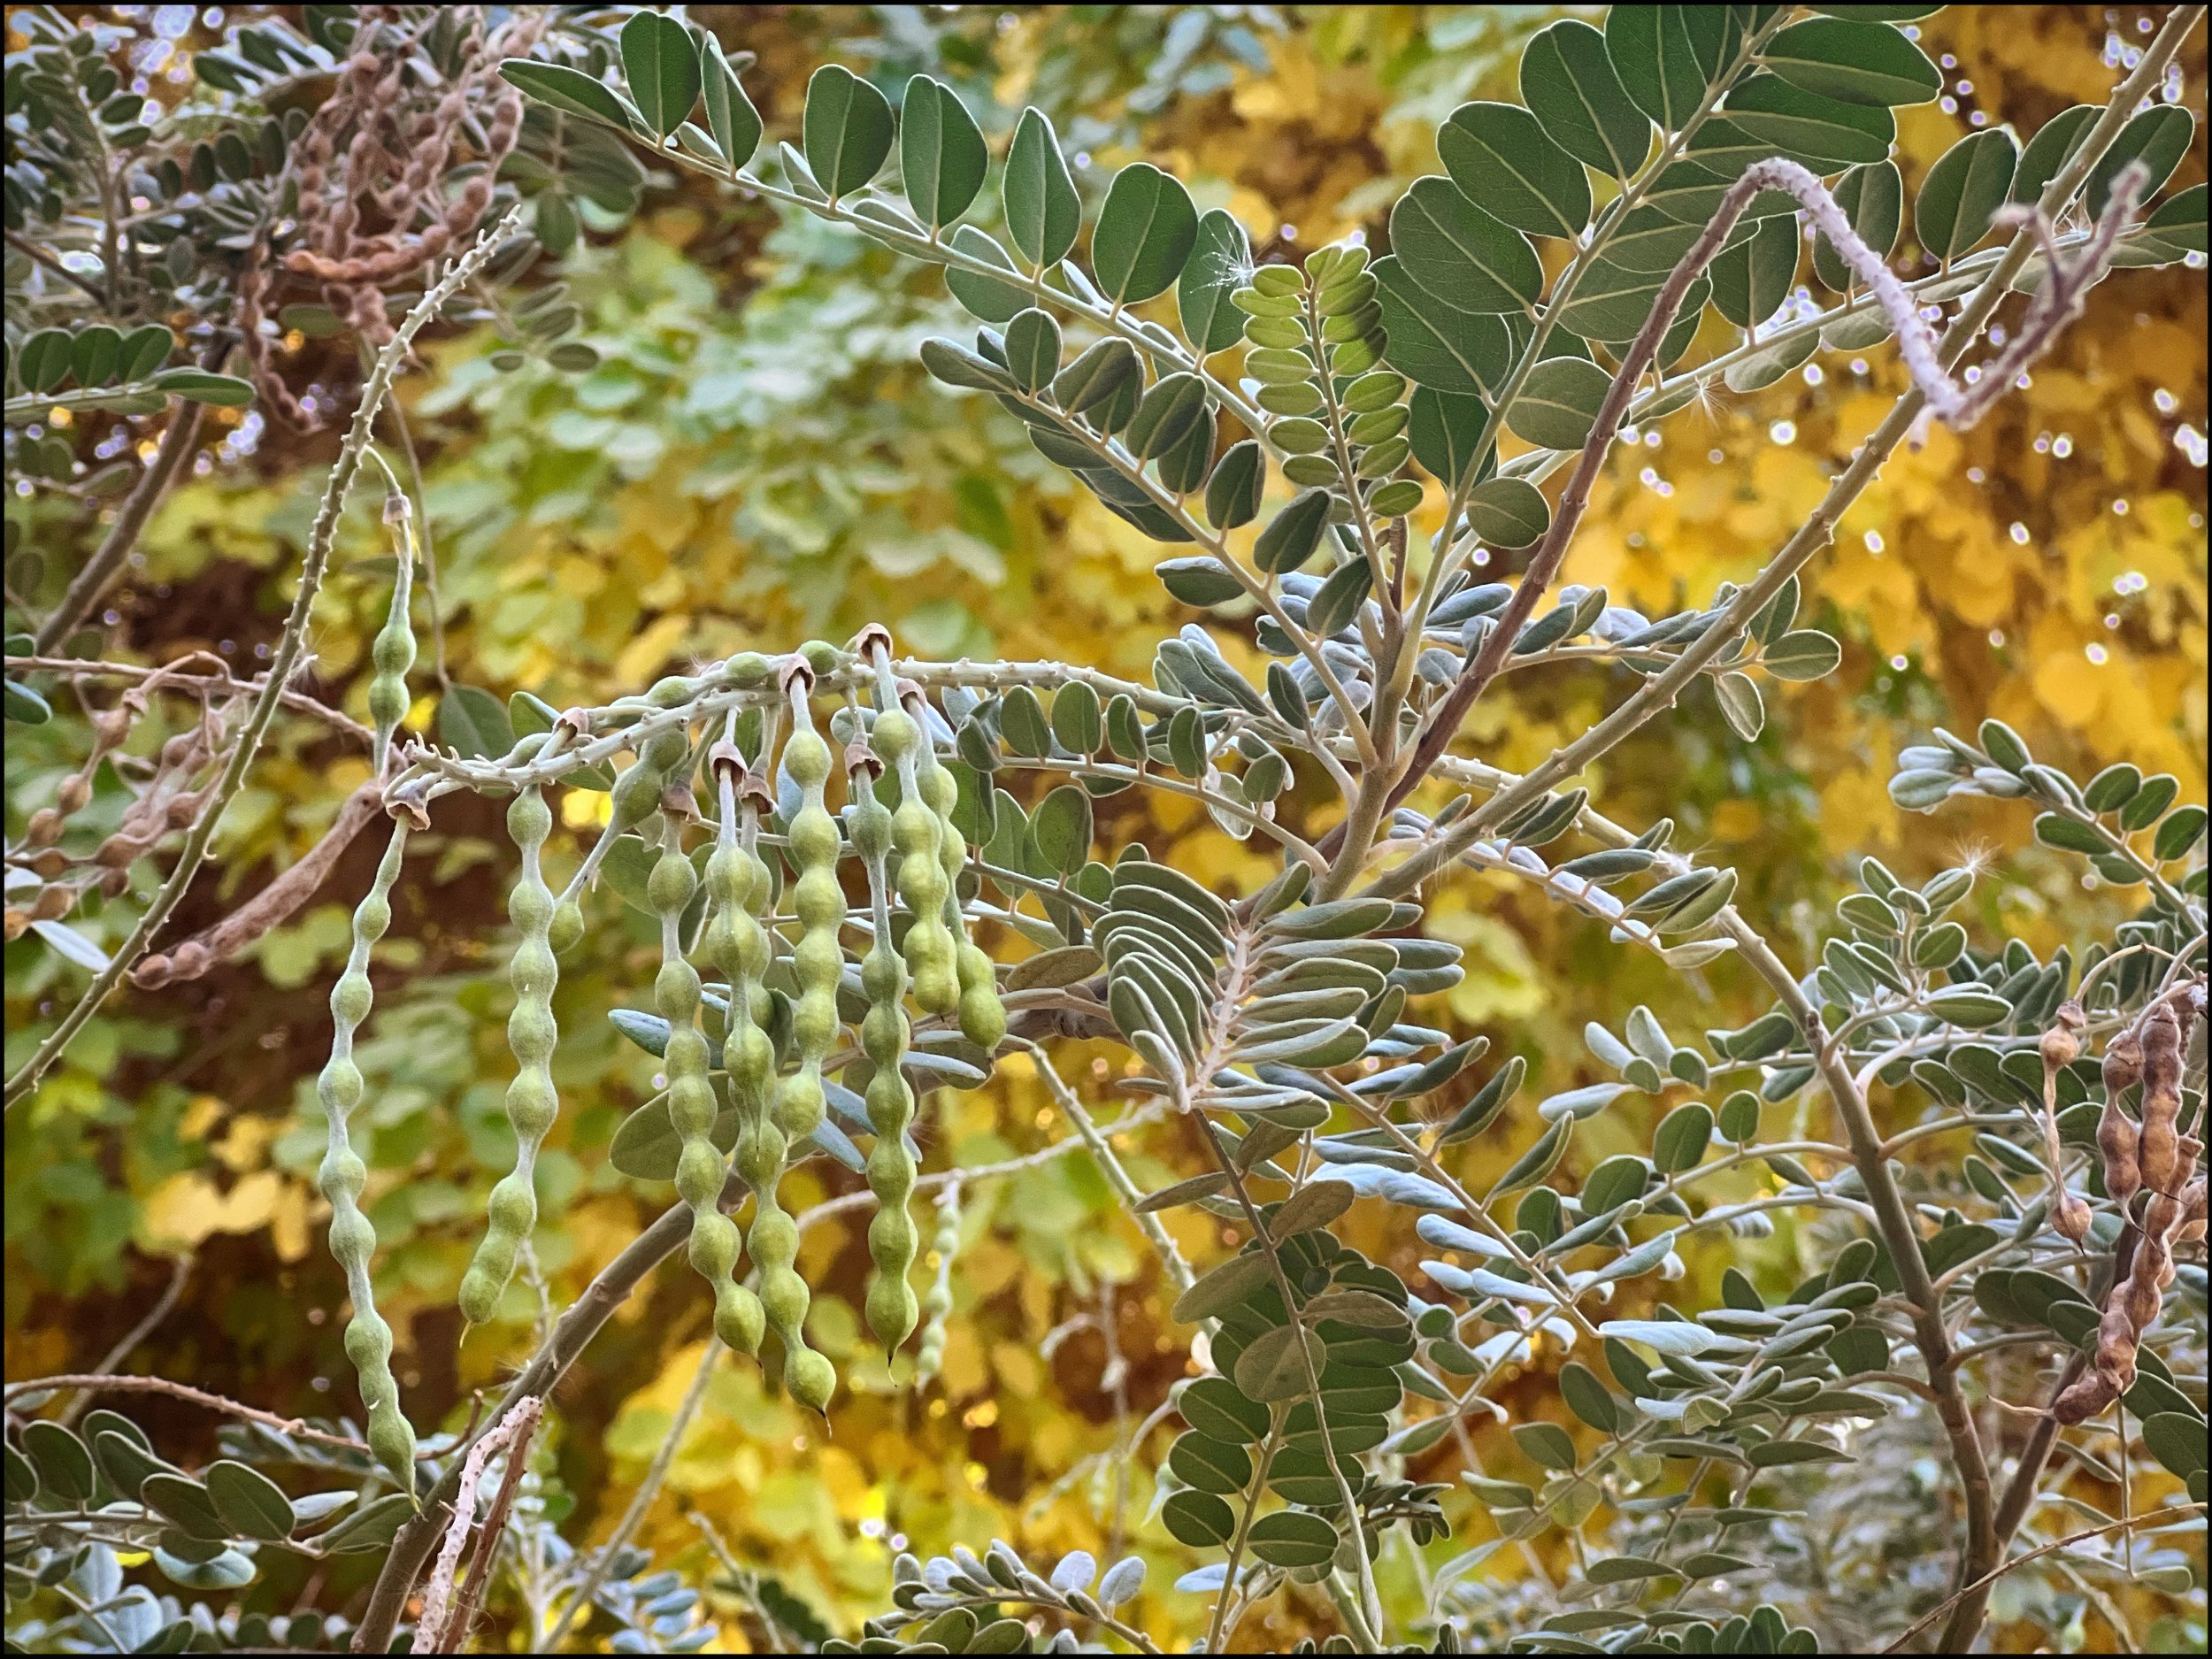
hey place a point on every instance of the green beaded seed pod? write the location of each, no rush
(922, 883)
(883, 1037)
(982, 1015)
(393, 652)
(737, 944)
(818, 960)
(343, 1174)
(929, 1359)
(637, 792)
(531, 1101)
(701, 1169)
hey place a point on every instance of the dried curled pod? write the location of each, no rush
(532, 1103)
(274, 904)
(2167, 1213)
(929, 1357)
(342, 1175)
(2133, 1305)
(2117, 1133)
(2059, 1047)
(2084, 1397)
(883, 1032)
(2158, 1149)
(2118, 1336)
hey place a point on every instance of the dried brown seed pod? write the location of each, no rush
(50, 863)
(2159, 1146)
(2070, 1215)
(118, 851)
(2117, 1336)
(14, 924)
(2088, 1395)
(110, 729)
(53, 904)
(2140, 1299)
(2123, 1063)
(114, 883)
(2117, 1133)
(74, 792)
(152, 971)
(2061, 1044)
(274, 904)
(44, 829)
(2193, 1212)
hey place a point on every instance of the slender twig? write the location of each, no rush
(1218, 1628)
(742, 1583)
(845, 1203)
(180, 1275)
(24, 245)
(289, 650)
(1110, 1167)
(649, 1489)
(91, 584)
(94, 1383)
(218, 683)
(91, 1612)
(1895, 1220)
(1981, 1585)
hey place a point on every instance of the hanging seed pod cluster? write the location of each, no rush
(816, 968)
(2143, 1153)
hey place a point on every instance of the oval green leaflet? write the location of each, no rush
(1145, 235)
(1043, 213)
(846, 125)
(941, 154)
